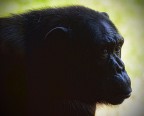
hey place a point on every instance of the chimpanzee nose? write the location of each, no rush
(117, 64)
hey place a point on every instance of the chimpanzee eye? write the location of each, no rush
(104, 53)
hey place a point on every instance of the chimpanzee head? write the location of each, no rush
(80, 58)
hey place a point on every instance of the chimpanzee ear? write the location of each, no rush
(57, 32)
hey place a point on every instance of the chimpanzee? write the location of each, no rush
(60, 62)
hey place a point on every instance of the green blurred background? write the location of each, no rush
(128, 16)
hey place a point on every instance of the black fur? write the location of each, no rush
(60, 62)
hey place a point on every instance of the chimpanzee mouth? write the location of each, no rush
(118, 99)
(125, 96)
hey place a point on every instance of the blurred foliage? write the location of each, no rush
(128, 16)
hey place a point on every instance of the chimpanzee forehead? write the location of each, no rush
(105, 32)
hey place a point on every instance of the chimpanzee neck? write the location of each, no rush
(73, 108)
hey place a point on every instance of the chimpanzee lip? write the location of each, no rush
(124, 95)
(118, 99)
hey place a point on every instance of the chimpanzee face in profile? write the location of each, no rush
(114, 83)
(88, 59)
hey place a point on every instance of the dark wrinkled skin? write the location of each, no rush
(60, 62)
